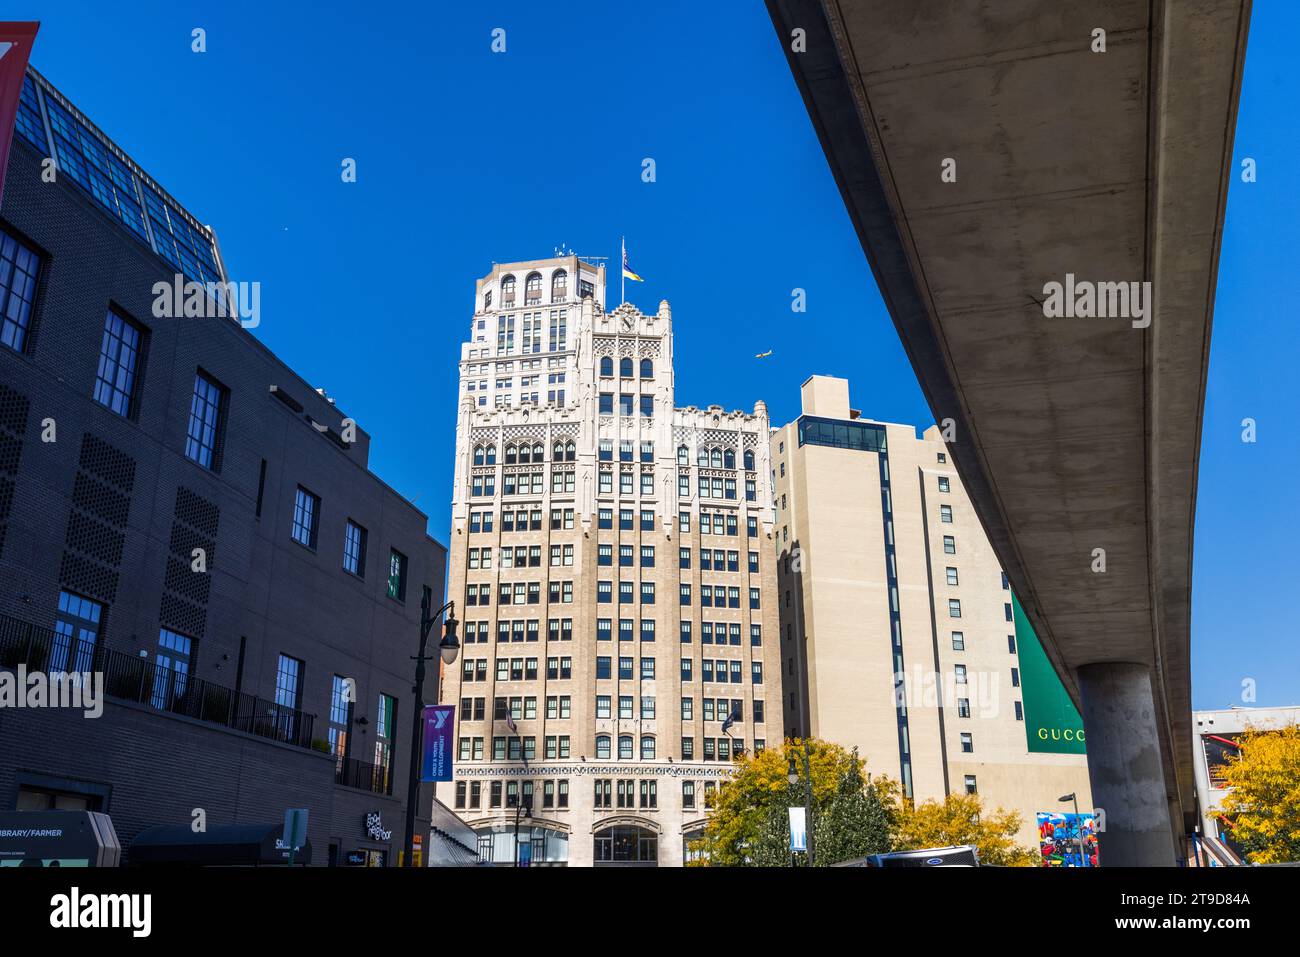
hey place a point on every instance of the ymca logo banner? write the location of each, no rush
(439, 725)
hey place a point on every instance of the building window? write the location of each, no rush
(952, 575)
(1020, 711)
(288, 695)
(967, 742)
(203, 439)
(958, 641)
(19, 267)
(354, 549)
(954, 607)
(171, 668)
(76, 631)
(385, 724)
(396, 575)
(306, 517)
(625, 747)
(943, 483)
(119, 358)
(945, 514)
(970, 784)
(949, 545)
(1011, 644)
(341, 695)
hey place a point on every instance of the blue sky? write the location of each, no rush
(465, 156)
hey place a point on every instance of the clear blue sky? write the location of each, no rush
(465, 157)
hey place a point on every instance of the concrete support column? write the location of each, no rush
(1124, 766)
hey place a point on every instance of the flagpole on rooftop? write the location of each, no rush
(622, 271)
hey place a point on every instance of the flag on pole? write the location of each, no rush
(628, 272)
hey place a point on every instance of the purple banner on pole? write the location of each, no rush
(439, 726)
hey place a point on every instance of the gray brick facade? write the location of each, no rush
(113, 508)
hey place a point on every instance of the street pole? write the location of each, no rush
(808, 813)
(1078, 829)
(521, 808)
(417, 719)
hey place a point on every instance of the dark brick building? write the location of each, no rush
(182, 513)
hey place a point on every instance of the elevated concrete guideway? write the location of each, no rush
(1071, 434)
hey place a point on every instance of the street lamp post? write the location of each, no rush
(1078, 824)
(793, 778)
(525, 808)
(448, 648)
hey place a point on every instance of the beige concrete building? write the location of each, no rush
(896, 620)
(612, 558)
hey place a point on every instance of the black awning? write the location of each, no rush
(223, 844)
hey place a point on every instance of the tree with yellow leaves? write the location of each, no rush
(749, 818)
(1263, 800)
(961, 819)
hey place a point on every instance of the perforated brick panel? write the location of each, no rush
(105, 462)
(101, 496)
(194, 525)
(14, 409)
(88, 578)
(96, 539)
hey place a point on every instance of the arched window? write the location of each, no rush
(606, 366)
(715, 458)
(647, 747)
(625, 747)
(559, 284)
(533, 288)
(683, 455)
(570, 452)
(625, 368)
(478, 455)
(507, 290)
(512, 454)
(749, 460)
(539, 453)
(491, 455)
(702, 458)
(557, 452)
(602, 746)
(647, 369)
(729, 459)
(625, 844)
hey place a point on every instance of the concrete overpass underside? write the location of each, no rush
(1070, 434)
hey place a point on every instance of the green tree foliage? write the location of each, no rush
(1263, 801)
(749, 820)
(962, 819)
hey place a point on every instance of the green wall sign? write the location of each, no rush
(1052, 723)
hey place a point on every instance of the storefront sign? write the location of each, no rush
(375, 828)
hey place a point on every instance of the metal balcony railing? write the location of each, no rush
(376, 778)
(142, 680)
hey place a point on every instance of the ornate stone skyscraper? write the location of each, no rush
(613, 560)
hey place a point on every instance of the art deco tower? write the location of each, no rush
(613, 559)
